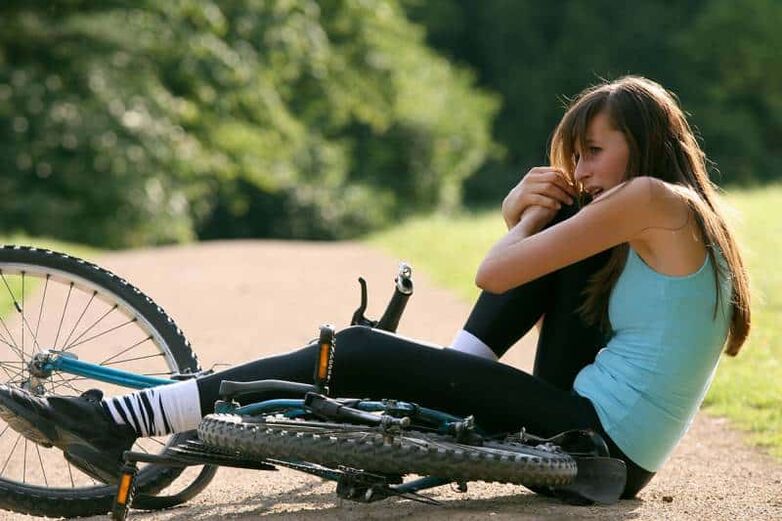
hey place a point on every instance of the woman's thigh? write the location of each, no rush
(374, 364)
(566, 343)
(380, 365)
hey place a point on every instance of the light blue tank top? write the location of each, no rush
(649, 381)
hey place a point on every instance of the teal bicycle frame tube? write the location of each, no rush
(102, 373)
(270, 406)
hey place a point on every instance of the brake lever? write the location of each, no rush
(358, 316)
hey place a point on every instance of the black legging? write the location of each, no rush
(373, 364)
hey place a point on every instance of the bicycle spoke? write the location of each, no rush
(3, 433)
(25, 323)
(89, 303)
(70, 386)
(11, 293)
(40, 309)
(21, 311)
(64, 380)
(62, 316)
(12, 377)
(18, 309)
(126, 360)
(35, 338)
(11, 454)
(40, 460)
(14, 347)
(105, 362)
(65, 383)
(70, 474)
(101, 334)
(116, 306)
(24, 463)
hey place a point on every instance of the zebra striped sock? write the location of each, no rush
(158, 410)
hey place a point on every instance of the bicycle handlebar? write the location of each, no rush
(396, 306)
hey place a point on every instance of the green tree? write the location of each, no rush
(733, 55)
(721, 57)
(127, 123)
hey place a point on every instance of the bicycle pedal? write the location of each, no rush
(125, 492)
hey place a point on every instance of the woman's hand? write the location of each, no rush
(535, 218)
(543, 186)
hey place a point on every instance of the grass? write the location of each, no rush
(447, 248)
(747, 389)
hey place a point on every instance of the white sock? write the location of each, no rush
(158, 410)
(468, 343)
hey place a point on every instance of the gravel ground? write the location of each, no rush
(245, 299)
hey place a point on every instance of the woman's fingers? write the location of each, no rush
(551, 185)
(554, 176)
(544, 186)
(555, 192)
(544, 201)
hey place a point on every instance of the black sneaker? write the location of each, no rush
(88, 436)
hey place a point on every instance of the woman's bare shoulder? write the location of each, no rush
(657, 190)
(668, 201)
(648, 202)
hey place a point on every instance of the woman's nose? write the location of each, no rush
(581, 172)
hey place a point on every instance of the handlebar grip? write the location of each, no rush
(396, 306)
(390, 319)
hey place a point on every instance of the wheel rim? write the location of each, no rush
(46, 308)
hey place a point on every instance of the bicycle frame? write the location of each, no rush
(52, 361)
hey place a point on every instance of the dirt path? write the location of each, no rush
(241, 300)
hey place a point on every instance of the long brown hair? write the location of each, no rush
(662, 145)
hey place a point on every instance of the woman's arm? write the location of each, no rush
(618, 216)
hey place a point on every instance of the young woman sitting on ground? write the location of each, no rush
(640, 290)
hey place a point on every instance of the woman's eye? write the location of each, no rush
(594, 150)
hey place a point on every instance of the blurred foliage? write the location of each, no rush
(125, 122)
(134, 122)
(733, 55)
(723, 59)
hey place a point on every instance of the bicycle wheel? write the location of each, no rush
(412, 452)
(53, 301)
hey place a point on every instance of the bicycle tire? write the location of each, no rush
(165, 338)
(412, 452)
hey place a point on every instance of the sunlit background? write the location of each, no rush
(128, 123)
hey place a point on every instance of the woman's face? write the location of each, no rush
(603, 165)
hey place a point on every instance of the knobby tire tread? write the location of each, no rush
(413, 453)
